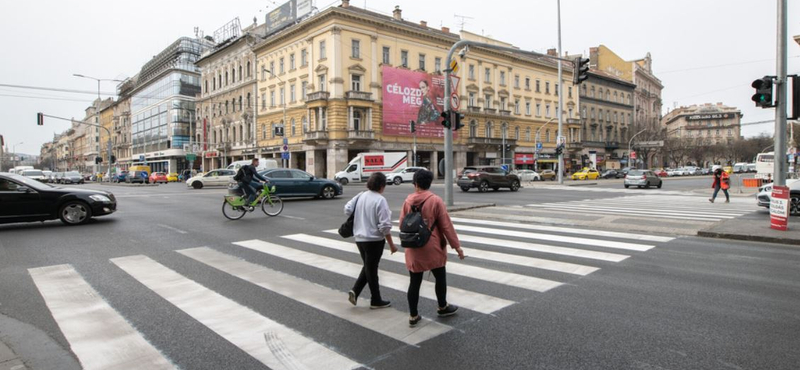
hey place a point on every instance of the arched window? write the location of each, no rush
(241, 107)
(547, 135)
(233, 75)
(240, 73)
(516, 133)
(206, 87)
(473, 128)
(489, 129)
(248, 100)
(249, 73)
(600, 93)
(629, 99)
(608, 95)
(592, 95)
(226, 78)
(583, 113)
(214, 137)
(294, 132)
(504, 130)
(226, 107)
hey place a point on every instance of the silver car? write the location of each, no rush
(642, 179)
(764, 195)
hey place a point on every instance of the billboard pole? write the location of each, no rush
(779, 177)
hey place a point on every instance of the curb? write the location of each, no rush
(469, 207)
(751, 238)
(582, 184)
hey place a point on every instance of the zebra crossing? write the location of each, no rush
(688, 208)
(506, 263)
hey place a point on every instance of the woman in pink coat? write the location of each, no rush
(433, 256)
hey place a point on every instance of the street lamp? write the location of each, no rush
(284, 161)
(97, 112)
(631, 142)
(14, 150)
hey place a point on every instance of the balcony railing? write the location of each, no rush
(612, 145)
(359, 95)
(473, 109)
(317, 95)
(505, 112)
(361, 134)
(490, 110)
(315, 135)
(490, 141)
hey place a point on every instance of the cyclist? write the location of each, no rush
(247, 177)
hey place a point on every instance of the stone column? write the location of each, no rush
(459, 160)
(435, 164)
(337, 160)
(337, 81)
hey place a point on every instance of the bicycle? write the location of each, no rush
(234, 207)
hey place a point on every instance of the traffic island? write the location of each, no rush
(752, 230)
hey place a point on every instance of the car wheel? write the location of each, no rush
(343, 181)
(514, 185)
(197, 185)
(647, 186)
(627, 186)
(639, 186)
(659, 185)
(483, 187)
(75, 213)
(464, 189)
(397, 181)
(794, 206)
(328, 192)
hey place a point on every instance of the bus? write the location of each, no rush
(765, 165)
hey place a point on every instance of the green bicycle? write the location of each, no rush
(235, 206)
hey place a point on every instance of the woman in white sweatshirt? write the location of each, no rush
(372, 228)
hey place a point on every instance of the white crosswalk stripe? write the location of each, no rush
(506, 262)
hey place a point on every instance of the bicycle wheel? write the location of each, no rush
(232, 213)
(273, 209)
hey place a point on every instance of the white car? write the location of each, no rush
(764, 195)
(527, 175)
(400, 176)
(219, 177)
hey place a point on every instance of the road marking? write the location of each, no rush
(658, 214)
(292, 217)
(470, 300)
(238, 324)
(558, 238)
(179, 231)
(492, 276)
(609, 234)
(97, 334)
(564, 251)
(696, 210)
(388, 322)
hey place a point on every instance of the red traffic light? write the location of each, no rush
(40, 119)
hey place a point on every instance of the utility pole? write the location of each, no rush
(97, 114)
(779, 177)
(560, 103)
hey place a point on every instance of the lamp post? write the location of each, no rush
(284, 161)
(97, 113)
(631, 142)
(14, 150)
(560, 101)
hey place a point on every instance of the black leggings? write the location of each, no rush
(371, 253)
(416, 282)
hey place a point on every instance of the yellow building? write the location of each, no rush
(107, 122)
(328, 72)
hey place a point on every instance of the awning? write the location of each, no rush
(547, 160)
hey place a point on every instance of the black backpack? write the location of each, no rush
(239, 174)
(414, 233)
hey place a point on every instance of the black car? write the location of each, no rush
(26, 200)
(487, 177)
(612, 174)
(71, 177)
(297, 183)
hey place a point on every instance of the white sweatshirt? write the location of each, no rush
(373, 219)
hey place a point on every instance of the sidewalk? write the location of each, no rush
(751, 229)
(9, 360)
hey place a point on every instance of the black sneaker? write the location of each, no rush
(351, 296)
(448, 310)
(381, 304)
(412, 322)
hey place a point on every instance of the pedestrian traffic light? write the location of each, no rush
(413, 127)
(763, 95)
(40, 119)
(581, 70)
(113, 159)
(559, 149)
(446, 119)
(457, 117)
(98, 160)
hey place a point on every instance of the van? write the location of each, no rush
(263, 164)
(740, 168)
(138, 174)
(364, 164)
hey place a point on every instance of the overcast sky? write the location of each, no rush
(703, 50)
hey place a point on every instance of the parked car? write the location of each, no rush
(527, 175)
(291, 182)
(34, 174)
(691, 171)
(625, 170)
(764, 196)
(487, 177)
(28, 200)
(611, 174)
(71, 177)
(172, 177)
(660, 172)
(120, 176)
(158, 177)
(220, 177)
(47, 175)
(402, 175)
(548, 175)
(705, 171)
(586, 174)
(642, 179)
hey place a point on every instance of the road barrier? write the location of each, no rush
(752, 183)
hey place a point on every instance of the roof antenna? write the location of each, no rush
(463, 20)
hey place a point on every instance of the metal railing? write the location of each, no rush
(317, 95)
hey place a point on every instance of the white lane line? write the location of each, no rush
(389, 322)
(179, 231)
(636, 213)
(474, 272)
(238, 324)
(567, 230)
(558, 238)
(292, 217)
(665, 206)
(651, 210)
(97, 334)
(563, 251)
(470, 300)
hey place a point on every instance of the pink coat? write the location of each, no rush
(434, 254)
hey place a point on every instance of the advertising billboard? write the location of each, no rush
(280, 17)
(413, 96)
(303, 8)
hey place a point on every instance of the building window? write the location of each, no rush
(355, 82)
(292, 90)
(226, 78)
(569, 92)
(592, 116)
(502, 103)
(303, 90)
(487, 102)
(547, 111)
(263, 101)
(600, 93)
(291, 62)
(422, 62)
(323, 119)
(356, 49)
(280, 65)
(538, 86)
(473, 128)
(489, 129)
(547, 135)
(528, 108)
(356, 120)
(386, 55)
(516, 81)
(471, 102)
(527, 83)
(321, 81)
(248, 100)
(272, 98)
(538, 109)
(233, 75)
(404, 58)
(322, 49)
(487, 75)
(304, 122)
(516, 133)
(206, 87)
(272, 67)
(263, 132)
(516, 106)
(437, 64)
(471, 72)
(303, 58)
(547, 87)
(249, 72)
(556, 89)
(283, 96)
(528, 134)
(502, 78)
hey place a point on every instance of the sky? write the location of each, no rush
(704, 51)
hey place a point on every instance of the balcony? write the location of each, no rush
(473, 109)
(489, 141)
(490, 110)
(361, 134)
(611, 145)
(574, 145)
(359, 95)
(505, 112)
(315, 136)
(317, 96)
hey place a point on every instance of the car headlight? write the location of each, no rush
(100, 198)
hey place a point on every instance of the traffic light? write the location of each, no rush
(508, 147)
(559, 149)
(413, 127)
(795, 97)
(457, 117)
(2, 141)
(98, 160)
(113, 159)
(40, 119)
(446, 119)
(581, 70)
(763, 95)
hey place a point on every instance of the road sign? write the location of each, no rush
(633, 154)
(285, 148)
(454, 66)
(539, 146)
(191, 157)
(455, 101)
(779, 208)
(286, 141)
(141, 158)
(505, 167)
(285, 155)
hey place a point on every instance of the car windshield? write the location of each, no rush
(32, 173)
(31, 183)
(72, 173)
(635, 173)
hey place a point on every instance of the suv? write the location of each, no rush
(488, 177)
(642, 178)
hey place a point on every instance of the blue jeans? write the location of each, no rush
(249, 190)
(716, 191)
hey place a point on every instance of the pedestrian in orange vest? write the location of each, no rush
(721, 181)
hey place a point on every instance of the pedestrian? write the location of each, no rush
(721, 181)
(433, 255)
(372, 229)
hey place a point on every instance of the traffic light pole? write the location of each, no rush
(779, 177)
(88, 124)
(560, 112)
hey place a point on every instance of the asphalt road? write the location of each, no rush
(683, 303)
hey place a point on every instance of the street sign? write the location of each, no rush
(141, 158)
(650, 144)
(285, 155)
(633, 154)
(505, 167)
(538, 146)
(285, 148)
(779, 208)
(455, 101)
(454, 66)
(286, 141)
(191, 157)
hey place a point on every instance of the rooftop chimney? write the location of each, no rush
(446, 29)
(398, 14)
(552, 52)
(345, 3)
(423, 24)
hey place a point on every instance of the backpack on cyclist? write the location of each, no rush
(239, 175)
(414, 232)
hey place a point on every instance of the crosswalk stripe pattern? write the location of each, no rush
(238, 324)
(690, 208)
(517, 252)
(98, 335)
